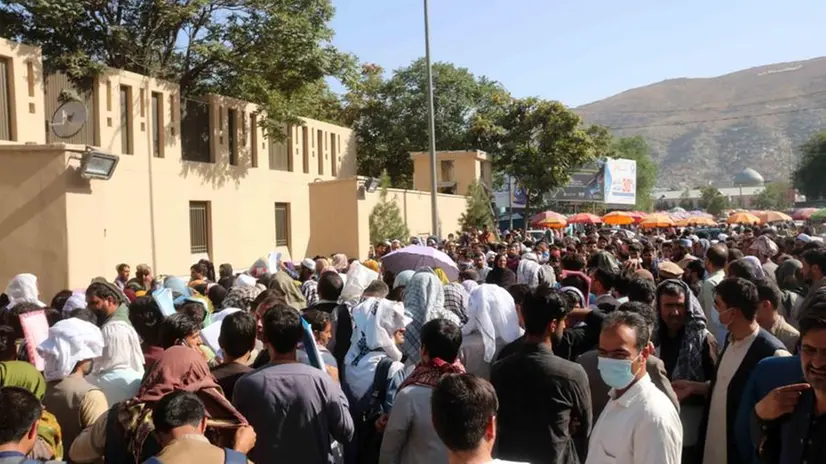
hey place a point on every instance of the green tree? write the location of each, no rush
(389, 116)
(808, 177)
(539, 143)
(275, 53)
(712, 200)
(386, 221)
(637, 149)
(775, 196)
(478, 213)
(685, 200)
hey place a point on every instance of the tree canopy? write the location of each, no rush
(712, 200)
(275, 53)
(775, 196)
(386, 221)
(478, 213)
(808, 177)
(637, 149)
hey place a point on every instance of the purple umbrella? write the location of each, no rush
(415, 256)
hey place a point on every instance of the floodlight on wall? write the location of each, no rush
(371, 184)
(98, 165)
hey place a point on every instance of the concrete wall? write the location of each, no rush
(25, 73)
(467, 167)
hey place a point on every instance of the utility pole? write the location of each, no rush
(431, 122)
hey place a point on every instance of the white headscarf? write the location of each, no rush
(77, 300)
(70, 342)
(22, 288)
(492, 313)
(528, 273)
(122, 349)
(244, 280)
(375, 321)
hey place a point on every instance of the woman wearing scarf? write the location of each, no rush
(286, 289)
(500, 274)
(409, 437)
(22, 288)
(492, 323)
(456, 299)
(242, 296)
(788, 279)
(21, 374)
(424, 300)
(124, 433)
(528, 271)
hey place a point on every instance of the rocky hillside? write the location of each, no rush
(709, 129)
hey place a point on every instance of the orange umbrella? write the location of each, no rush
(552, 220)
(550, 216)
(702, 221)
(618, 218)
(584, 218)
(657, 220)
(773, 216)
(743, 218)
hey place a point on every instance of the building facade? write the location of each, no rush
(195, 179)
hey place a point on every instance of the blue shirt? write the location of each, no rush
(769, 374)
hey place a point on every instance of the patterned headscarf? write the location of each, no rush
(241, 297)
(424, 300)
(690, 358)
(764, 246)
(286, 288)
(456, 299)
(402, 278)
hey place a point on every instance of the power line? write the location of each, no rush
(727, 118)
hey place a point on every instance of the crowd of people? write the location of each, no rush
(598, 346)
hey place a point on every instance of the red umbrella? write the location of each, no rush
(638, 216)
(584, 218)
(803, 214)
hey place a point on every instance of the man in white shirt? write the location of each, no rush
(639, 425)
(464, 415)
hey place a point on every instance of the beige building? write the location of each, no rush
(195, 178)
(455, 170)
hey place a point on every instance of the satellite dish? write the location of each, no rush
(68, 119)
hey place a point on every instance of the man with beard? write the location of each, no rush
(814, 267)
(791, 420)
(689, 352)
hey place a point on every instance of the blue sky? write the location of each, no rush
(578, 51)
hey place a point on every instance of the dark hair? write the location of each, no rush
(216, 295)
(317, 319)
(442, 339)
(576, 281)
(121, 266)
(269, 296)
(573, 262)
(696, 266)
(330, 285)
(376, 288)
(225, 270)
(744, 269)
(633, 320)
(195, 309)
(643, 309)
(200, 268)
(519, 292)
(53, 316)
(717, 255)
(60, 299)
(237, 335)
(739, 293)
(541, 308)
(175, 328)
(146, 317)
(177, 409)
(813, 320)
(469, 274)
(462, 406)
(8, 343)
(815, 257)
(622, 281)
(88, 315)
(635, 247)
(642, 290)
(768, 291)
(102, 291)
(21, 409)
(11, 316)
(734, 254)
(671, 289)
(282, 328)
(397, 294)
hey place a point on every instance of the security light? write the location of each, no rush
(98, 165)
(371, 185)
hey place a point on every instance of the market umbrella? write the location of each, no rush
(415, 256)
(638, 215)
(657, 220)
(773, 216)
(548, 219)
(701, 221)
(818, 215)
(803, 214)
(743, 218)
(555, 221)
(618, 218)
(584, 218)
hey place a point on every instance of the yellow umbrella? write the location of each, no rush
(701, 221)
(743, 218)
(657, 220)
(618, 218)
(553, 221)
(773, 216)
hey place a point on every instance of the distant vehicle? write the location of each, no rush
(540, 234)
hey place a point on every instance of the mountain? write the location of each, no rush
(709, 129)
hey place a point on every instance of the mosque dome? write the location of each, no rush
(748, 178)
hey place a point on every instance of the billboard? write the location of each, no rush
(586, 185)
(620, 181)
(517, 195)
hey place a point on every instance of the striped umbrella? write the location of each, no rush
(584, 218)
(548, 217)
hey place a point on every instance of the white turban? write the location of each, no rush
(70, 341)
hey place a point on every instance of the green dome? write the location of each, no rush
(748, 178)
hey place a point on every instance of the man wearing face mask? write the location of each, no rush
(639, 424)
(736, 300)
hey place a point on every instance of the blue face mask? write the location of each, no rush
(616, 373)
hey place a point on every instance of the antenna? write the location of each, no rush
(68, 119)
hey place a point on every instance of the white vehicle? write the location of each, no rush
(541, 234)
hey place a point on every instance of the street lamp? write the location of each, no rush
(431, 122)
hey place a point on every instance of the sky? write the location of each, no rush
(579, 51)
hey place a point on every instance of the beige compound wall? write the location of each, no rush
(25, 85)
